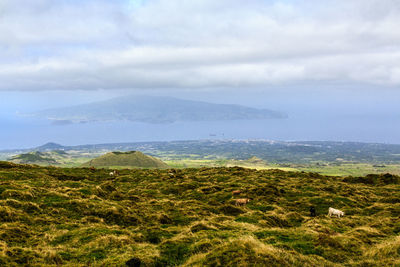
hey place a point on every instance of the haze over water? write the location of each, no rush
(311, 118)
(23, 134)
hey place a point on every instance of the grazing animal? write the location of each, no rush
(114, 173)
(335, 212)
(312, 212)
(92, 168)
(236, 192)
(242, 201)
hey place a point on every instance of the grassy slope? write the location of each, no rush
(34, 157)
(57, 158)
(54, 216)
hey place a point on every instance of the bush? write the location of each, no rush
(164, 219)
(173, 253)
(155, 236)
(294, 219)
(276, 221)
(231, 210)
(199, 227)
(17, 194)
(21, 256)
(261, 207)
(133, 262)
(374, 179)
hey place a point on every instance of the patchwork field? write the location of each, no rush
(326, 158)
(80, 216)
(324, 168)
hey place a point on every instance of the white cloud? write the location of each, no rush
(50, 45)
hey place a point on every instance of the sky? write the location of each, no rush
(291, 55)
(197, 44)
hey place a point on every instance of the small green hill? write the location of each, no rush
(36, 157)
(131, 159)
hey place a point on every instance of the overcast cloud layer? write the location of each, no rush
(58, 45)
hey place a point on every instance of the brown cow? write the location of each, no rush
(242, 201)
(236, 192)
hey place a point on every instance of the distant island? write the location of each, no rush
(151, 109)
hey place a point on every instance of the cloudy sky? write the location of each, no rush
(332, 65)
(198, 44)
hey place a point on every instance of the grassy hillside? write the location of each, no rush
(55, 157)
(36, 157)
(131, 159)
(79, 217)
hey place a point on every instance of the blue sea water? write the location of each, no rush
(320, 114)
(25, 132)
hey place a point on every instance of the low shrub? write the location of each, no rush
(231, 210)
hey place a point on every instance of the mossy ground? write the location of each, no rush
(78, 217)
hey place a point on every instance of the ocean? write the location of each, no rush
(23, 132)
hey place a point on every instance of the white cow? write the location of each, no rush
(335, 212)
(114, 173)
